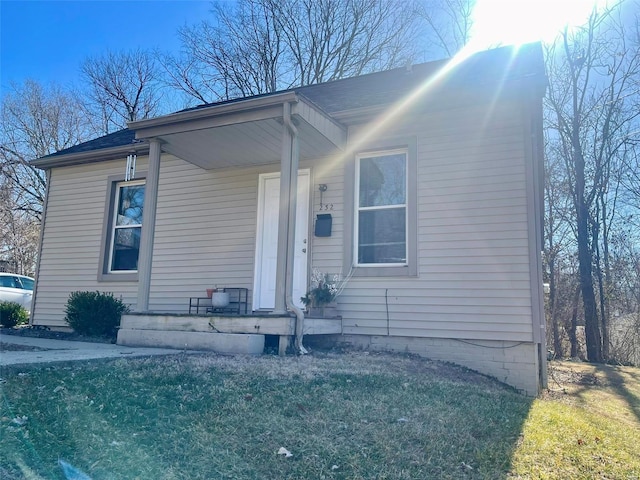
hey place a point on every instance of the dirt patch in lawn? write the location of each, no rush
(568, 374)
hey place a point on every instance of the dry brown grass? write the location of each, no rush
(348, 415)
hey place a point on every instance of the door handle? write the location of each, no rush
(304, 250)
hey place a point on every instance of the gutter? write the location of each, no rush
(215, 110)
(90, 156)
(293, 195)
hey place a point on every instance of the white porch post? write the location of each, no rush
(283, 219)
(148, 226)
(293, 201)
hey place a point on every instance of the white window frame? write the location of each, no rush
(410, 269)
(357, 208)
(115, 226)
(104, 273)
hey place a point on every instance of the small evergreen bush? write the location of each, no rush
(94, 314)
(12, 314)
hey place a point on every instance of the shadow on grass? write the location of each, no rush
(618, 383)
(342, 416)
(603, 376)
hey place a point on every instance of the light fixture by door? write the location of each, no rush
(322, 188)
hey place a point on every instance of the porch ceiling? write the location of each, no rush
(243, 133)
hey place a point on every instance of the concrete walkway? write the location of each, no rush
(64, 351)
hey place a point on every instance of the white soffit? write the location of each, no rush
(244, 136)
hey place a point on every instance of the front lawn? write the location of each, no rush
(341, 416)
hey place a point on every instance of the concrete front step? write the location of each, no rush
(226, 343)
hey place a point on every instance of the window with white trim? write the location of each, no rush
(380, 233)
(126, 227)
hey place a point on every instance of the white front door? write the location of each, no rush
(264, 293)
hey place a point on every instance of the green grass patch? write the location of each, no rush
(586, 426)
(342, 416)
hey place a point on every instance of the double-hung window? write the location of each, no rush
(126, 227)
(380, 232)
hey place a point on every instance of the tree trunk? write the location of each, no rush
(603, 304)
(573, 326)
(555, 327)
(585, 257)
(591, 326)
(606, 287)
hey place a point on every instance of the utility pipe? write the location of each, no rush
(291, 233)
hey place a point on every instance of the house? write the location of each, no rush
(431, 175)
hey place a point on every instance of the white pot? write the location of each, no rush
(220, 299)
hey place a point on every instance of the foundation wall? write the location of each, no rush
(513, 363)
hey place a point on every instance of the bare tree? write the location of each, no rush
(36, 121)
(447, 24)
(592, 96)
(123, 86)
(18, 233)
(558, 236)
(238, 55)
(261, 46)
(330, 39)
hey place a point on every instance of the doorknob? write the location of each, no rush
(304, 250)
(304, 241)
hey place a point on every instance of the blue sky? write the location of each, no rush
(47, 40)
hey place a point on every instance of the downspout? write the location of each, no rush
(293, 197)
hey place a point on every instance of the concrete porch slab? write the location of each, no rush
(249, 324)
(226, 343)
(223, 334)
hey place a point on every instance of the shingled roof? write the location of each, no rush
(381, 88)
(115, 139)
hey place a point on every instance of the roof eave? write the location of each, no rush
(212, 111)
(90, 156)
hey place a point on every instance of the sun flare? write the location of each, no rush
(514, 22)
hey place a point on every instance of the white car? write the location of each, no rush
(16, 288)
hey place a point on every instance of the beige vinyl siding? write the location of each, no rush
(327, 252)
(205, 232)
(72, 239)
(473, 248)
(205, 235)
(473, 277)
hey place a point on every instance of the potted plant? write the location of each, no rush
(320, 300)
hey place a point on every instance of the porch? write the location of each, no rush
(231, 334)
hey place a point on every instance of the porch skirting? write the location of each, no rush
(513, 363)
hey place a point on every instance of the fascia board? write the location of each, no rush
(198, 118)
(91, 156)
